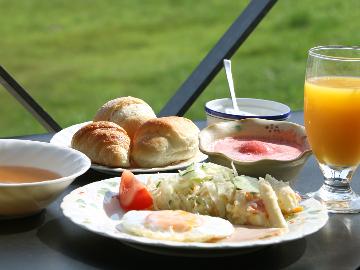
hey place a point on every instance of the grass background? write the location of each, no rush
(73, 56)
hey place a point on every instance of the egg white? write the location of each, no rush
(133, 222)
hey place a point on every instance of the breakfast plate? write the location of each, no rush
(63, 138)
(95, 207)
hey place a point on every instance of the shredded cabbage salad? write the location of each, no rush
(211, 189)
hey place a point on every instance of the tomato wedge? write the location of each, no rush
(133, 195)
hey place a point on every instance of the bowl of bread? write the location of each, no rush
(126, 134)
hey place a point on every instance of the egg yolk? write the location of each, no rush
(169, 220)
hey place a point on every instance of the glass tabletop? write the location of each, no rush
(48, 240)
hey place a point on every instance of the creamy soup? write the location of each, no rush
(254, 149)
(19, 174)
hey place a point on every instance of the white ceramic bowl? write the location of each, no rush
(22, 199)
(219, 110)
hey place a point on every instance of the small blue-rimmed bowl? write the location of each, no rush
(219, 110)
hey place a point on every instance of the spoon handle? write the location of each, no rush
(227, 65)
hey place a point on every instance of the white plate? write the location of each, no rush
(95, 207)
(63, 138)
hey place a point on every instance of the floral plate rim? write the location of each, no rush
(75, 204)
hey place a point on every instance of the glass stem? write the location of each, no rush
(336, 192)
(337, 179)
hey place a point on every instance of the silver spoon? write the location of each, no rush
(236, 110)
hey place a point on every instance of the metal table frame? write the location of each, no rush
(191, 88)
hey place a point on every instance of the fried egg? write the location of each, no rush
(175, 225)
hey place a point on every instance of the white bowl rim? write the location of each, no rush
(284, 115)
(85, 167)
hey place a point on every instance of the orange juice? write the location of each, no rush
(332, 119)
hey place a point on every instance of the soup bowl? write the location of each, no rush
(263, 130)
(21, 198)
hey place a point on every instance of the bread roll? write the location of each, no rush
(127, 112)
(163, 141)
(105, 143)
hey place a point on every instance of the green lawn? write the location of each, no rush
(73, 56)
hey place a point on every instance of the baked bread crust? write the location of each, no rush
(128, 112)
(104, 142)
(163, 141)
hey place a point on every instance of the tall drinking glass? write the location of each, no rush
(332, 122)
